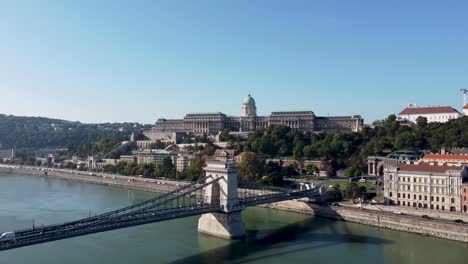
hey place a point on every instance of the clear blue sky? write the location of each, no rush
(97, 61)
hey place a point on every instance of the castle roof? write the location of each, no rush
(249, 101)
(429, 110)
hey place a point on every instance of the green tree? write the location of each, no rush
(421, 122)
(109, 168)
(168, 167)
(352, 171)
(251, 167)
(120, 166)
(312, 169)
(195, 169)
(298, 150)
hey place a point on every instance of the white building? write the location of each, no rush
(465, 110)
(425, 185)
(182, 161)
(439, 114)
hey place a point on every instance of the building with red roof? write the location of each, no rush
(427, 185)
(446, 158)
(439, 114)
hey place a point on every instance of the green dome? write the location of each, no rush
(249, 101)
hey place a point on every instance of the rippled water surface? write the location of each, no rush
(273, 236)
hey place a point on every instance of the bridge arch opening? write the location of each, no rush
(215, 194)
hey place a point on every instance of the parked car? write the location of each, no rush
(425, 217)
(458, 221)
(398, 213)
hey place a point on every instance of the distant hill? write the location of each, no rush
(40, 132)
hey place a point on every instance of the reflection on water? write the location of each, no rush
(272, 236)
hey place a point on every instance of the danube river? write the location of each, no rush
(273, 236)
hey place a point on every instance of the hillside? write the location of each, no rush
(40, 132)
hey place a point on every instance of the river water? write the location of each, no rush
(273, 236)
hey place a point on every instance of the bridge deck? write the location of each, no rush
(150, 211)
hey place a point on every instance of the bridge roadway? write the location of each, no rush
(146, 213)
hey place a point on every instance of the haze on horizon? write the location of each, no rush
(136, 61)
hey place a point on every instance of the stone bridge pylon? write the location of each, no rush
(227, 224)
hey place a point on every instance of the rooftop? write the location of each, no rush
(294, 112)
(249, 101)
(206, 114)
(427, 167)
(459, 157)
(429, 110)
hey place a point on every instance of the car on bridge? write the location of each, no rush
(7, 236)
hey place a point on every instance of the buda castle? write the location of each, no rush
(248, 121)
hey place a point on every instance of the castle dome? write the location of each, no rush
(249, 101)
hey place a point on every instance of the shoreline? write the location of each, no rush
(376, 216)
(136, 183)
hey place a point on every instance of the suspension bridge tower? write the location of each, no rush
(227, 224)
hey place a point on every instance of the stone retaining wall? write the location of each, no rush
(110, 180)
(428, 227)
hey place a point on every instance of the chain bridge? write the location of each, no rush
(216, 197)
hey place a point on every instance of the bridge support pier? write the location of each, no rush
(228, 222)
(224, 225)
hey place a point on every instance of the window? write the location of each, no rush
(432, 198)
(390, 194)
(443, 199)
(420, 197)
(398, 195)
(437, 207)
(404, 195)
(404, 203)
(432, 206)
(425, 197)
(414, 204)
(443, 208)
(414, 179)
(414, 196)
(452, 200)
(437, 198)
(398, 202)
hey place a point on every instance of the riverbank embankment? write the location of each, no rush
(153, 185)
(435, 227)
